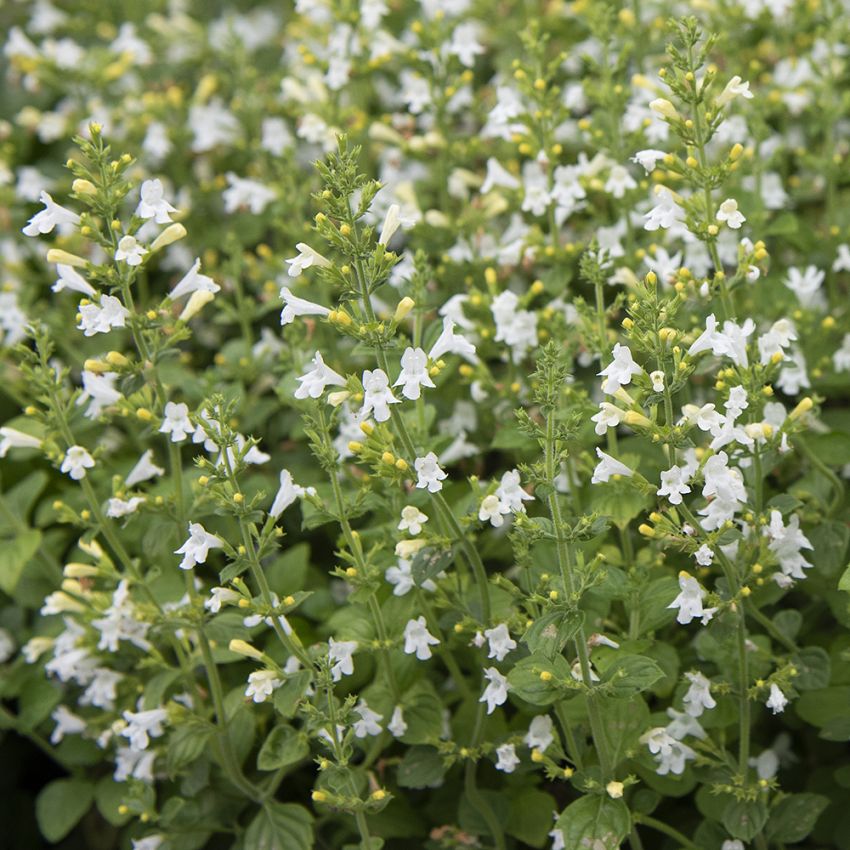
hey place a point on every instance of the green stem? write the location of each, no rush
(660, 826)
(817, 463)
(473, 794)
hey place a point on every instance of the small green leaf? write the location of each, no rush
(813, 668)
(421, 767)
(429, 562)
(15, 554)
(745, 819)
(280, 826)
(525, 681)
(284, 746)
(529, 818)
(795, 816)
(549, 634)
(595, 822)
(60, 805)
(631, 674)
(286, 697)
(185, 745)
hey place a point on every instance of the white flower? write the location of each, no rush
(100, 320)
(787, 543)
(689, 601)
(130, 251)
(117, 508)
(67, 723)
(193, 281)
(648, 158)
(377, 395)
(414, 373)
(401, 577)
(418, 640)
(392, 222)
(698, 698)
(492, 509)
(496, 692)
(451, 343)
(69, 278)
(306, 258)
(608, 416)
(806, 285)
(840, 358)
(618, 373)
(100, 389)
(14, 439)
(619, 181)
(732, 844)
(340, 654)
(77, 461)
(674, 484)
(295, 306)
(142, 726)
(314, 382)
(144, 470)
(152, 203)
(397, 726)
(220, 596)
(52, 214)
(149, 842)
(287, 493)
(242, 192)
(412, 520)
(500, 640)
(368, 723)
(734, 88)
(704, 555)
(510, 493)
(607, 467)
(730, 342)
(777, 701)
(429, 473)
(728, 212)
(671, 755)
(507, 758)
(665, 214)
(498, 175)
(261, 684)
(539, 735)
(197, 547)
(657, 380)
(842, 260)
(176, 422)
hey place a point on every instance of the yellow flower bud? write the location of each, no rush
(241, 647)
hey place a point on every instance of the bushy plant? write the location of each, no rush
(435, 430)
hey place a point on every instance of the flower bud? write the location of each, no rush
(57, 255)
(200, 298)
(242, 647)
(663, 107)
(172, 233)
(83, 187)
(404, 307)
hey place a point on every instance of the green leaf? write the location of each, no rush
(549, 634)
(423, 713)
(631, 674)
(654, 605)
(745, 819)
(595, 822)
(60, 805)
(813, 668)
(795, 816)
(283, 746)
(185, 745)
(822, 706)
(15, 554)
(429, 562)
(844, 581)
(623, 722)
(621, 503)
(526, 683)
(109, 796)
(280, 826)
(529, 818)
(421, 767)
(286, 697)
(829, 539)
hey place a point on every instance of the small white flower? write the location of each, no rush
(377, 395)
(52, 214)
(608, 416)
(507, 758)
(152, 203)
(540, 735)
(418, 640)
(176, 422)
(412, 520)
(261, 684)
(451, 343)
(341, 653)
(618, 373)
(397, 726)
(130, 251)
(674, 484)
(510, 492)
(67, 723)
(607, 467)
(295, 306)
(414, 373)
(777, 701)
(368, 723)
(734, 88)
(306, 258)
(77, 461)
(220, 596)
(197, 547)
(101, 320)
(10, 438)
(142, 726)
(287, 493)
(704, 555)
(728, 212)
(689, 601)
(243, 193)
(70, 279)
(698, 698)
(500, 640)
(429, 473)
(492, 510)
(193, 281)
(117, 508)
(657, 380)
(665, 214)
(314, 382)
(496, 692)
(144, 470)
(648, 158)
